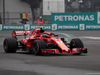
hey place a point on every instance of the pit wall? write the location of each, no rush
(52, 27)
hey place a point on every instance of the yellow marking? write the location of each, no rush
(61, 44)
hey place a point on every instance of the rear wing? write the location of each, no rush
(20, 33)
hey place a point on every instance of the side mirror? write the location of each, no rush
(56, 35)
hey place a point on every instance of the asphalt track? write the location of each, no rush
(23, 63)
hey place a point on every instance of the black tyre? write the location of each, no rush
(10, 45)
(76, 43)
(38, 46)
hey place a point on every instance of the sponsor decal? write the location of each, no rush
(82, 27)
(74, 18)
(47, 27)
(63, 18)
(98, 17)
(65, 27)
(54, 26)
(10, 27)
(27, 27)
(95, 27)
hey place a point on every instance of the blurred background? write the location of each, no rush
(12, 11)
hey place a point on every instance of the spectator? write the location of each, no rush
(46, 22)
(35, 22)
(40, 20)
(49, 22)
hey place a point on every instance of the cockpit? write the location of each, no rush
(45, 35)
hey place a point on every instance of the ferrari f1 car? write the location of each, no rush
(40, 42)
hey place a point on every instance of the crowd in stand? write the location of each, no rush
(40, 21)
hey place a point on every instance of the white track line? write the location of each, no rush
(90, 37)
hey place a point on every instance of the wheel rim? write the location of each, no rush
(73, 44)
(6, 45)
(35, 48)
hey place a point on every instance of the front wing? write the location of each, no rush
(73, 51)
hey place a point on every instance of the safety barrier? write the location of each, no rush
(52, 27)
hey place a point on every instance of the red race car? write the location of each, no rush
(41, 42)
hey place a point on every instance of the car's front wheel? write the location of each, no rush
(38, 45)
(76, 43)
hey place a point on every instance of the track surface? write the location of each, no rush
(23, 63)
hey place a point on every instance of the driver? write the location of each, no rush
(45, 36)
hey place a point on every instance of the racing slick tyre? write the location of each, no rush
(38, 45)
(10, 45)
(76, 43)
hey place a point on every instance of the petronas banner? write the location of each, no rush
(92, 27)
(52, 27)
(65, 18)
(46, 27)
(13, 27)
(68, 27)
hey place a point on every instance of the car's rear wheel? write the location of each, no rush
(38, 45)
(76, 43)
(10, 45)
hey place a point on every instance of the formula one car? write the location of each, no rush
(40, 42)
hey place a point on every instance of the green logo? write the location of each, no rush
(27, 27)
(54, 26)
(82, 27)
